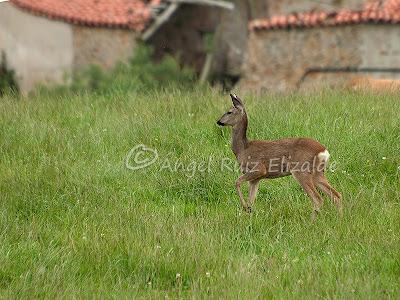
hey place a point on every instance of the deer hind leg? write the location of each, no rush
(253, 178)
(307, 183)
(322, 183)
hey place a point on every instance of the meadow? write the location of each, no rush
(76, 222)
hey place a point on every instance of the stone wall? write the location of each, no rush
(232, 34)
(37, 49)
(280, 59)
(101, 46)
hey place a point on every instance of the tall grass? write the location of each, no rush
(76, 223)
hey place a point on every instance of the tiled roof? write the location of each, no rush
(387, 11)
(131, 14)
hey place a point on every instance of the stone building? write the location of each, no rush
(45, 41)
(232, 33)
(323, 47)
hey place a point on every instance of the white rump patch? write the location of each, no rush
(324, 156)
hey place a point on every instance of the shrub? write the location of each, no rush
(140, 73)
(7, 77)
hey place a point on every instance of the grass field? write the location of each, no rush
(75, 222)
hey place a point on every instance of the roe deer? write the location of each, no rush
(304, 158)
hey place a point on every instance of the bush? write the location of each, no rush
(140, 73)
(7, 77)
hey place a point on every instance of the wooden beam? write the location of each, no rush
(217, 3)
(205, 72)
(160, 20)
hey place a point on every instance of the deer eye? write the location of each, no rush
(229, 112)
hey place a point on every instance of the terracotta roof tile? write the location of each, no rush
(131, 14)
(386, 11)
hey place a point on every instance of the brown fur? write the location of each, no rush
(273, 159)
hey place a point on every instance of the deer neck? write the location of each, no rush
(239, 136)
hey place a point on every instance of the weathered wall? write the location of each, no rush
(380, 46)
(232, 34)
(231, 39)
(101, 46)
(279, 59)
(37, 49)
(289, 6)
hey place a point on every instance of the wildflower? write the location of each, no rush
(208, 274)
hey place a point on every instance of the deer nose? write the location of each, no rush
(220, 123)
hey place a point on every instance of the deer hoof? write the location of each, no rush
(314, 215)
(247, 209)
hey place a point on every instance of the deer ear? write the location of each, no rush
(236, 101)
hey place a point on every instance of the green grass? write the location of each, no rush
(76, 223)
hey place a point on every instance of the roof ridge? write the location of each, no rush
(377, 11)
(132, 14)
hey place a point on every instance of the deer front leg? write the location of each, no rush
(253, 177)
(254, 184)
(239, 191)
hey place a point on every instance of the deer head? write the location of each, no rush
(234, 115)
